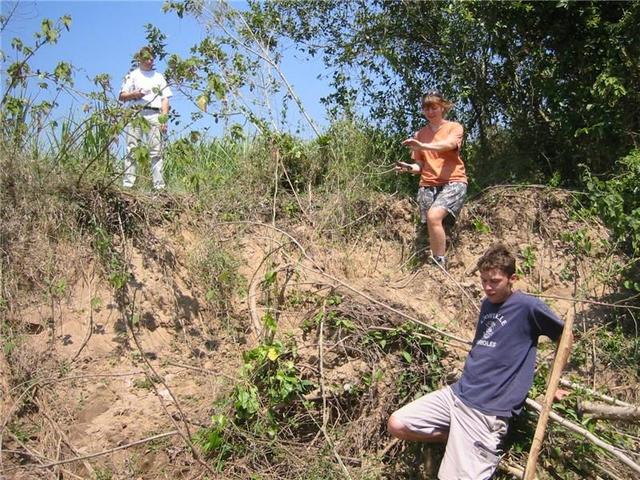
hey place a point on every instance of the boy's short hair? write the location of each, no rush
(435, 97)
(145, 53)
(497, 256)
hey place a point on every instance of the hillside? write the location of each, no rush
(165, 342)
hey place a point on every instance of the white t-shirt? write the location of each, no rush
(151, 83)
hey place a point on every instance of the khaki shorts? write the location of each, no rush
(474, 447)
(449, 196)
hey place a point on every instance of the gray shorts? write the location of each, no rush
(474, 447)
(449, 196)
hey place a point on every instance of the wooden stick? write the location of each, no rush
(564, 349)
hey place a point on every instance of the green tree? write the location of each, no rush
(540, 86)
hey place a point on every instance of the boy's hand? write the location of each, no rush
(413, 143)
(406, 167)
(560, 394)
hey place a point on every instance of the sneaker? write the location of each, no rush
(440, 260)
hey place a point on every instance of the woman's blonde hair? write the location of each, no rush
(435, 97)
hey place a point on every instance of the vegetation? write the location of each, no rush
(560, 77)
(616, 201)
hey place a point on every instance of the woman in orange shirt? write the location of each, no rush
(443, 181)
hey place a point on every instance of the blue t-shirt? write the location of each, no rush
(499, 370)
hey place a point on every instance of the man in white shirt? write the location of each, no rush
(147, 90)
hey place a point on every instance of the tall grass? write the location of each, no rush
(330, 180)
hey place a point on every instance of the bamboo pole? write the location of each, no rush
(564, 349)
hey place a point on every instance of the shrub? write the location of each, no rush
(617, 201)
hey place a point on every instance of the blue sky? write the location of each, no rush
(104, 36)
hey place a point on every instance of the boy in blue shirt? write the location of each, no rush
(472, 415)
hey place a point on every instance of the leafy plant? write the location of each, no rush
(259, 402)
(214, 441)
(528, 262)
(145, 383)
(480, 226)
(579, 241)
(103, 473)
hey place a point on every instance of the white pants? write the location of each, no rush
(153, 139)
(474, 445)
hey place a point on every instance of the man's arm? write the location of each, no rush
(128, 96)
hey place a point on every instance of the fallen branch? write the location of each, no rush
(601, 396)
(252, 301)
(203, 370)
(613, 412)
(585, 300)
(388, 447)
(95, 455)
(65, 438)
(87, 336)
(516, 471)
(473, 302)
(588, 435)
(325, 416)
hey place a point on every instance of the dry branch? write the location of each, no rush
(203, 370)
(95, 455)
(601, 396)
(64, 437)
(252, 297)
(87, 336)
(588, 435)
(586, 300)
(613, 412)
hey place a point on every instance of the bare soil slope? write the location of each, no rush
(100, 369)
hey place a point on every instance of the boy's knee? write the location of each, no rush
(395, 426)
(436, 216)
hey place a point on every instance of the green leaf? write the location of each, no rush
(66, 21)
(407, 356)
